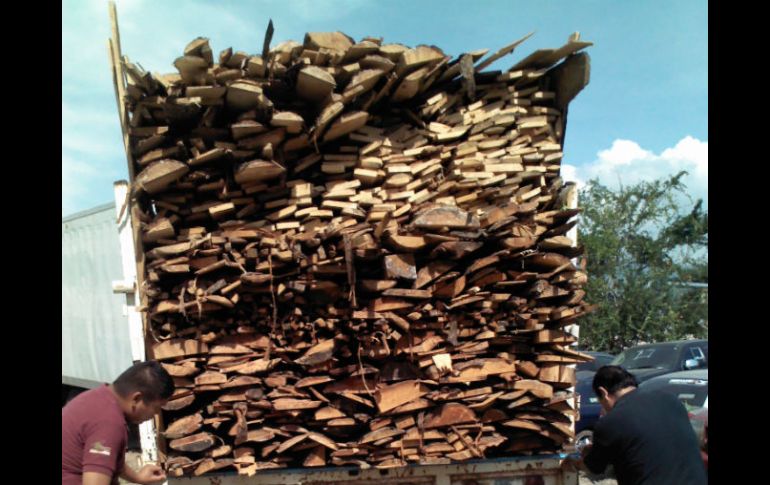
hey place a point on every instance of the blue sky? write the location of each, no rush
(643, 115)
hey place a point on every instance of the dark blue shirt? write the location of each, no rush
(648, 439)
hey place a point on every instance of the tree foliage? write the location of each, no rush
(646, 245)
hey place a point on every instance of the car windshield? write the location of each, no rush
(599, 361)
(647, 358)
(603, 360)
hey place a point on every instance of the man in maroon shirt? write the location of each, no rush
(94, 427)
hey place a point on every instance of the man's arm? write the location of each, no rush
(148, 474)
(104, 442)
(128, 473)
(577, 463)
(96, 478)
(597, 456)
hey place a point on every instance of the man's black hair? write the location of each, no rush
(150, 378)
(613, 378)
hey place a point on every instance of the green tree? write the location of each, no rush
(646, 245)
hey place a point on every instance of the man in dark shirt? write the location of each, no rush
(94, 427)
(645, 435)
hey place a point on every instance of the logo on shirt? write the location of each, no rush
(100, 449)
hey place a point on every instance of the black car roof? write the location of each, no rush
(674, 343)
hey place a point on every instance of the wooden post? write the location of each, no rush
(153, 447)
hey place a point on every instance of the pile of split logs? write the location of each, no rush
(356, 253)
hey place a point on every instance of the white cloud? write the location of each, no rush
(570, 173)
(690, 152)
(623, 152)
(627, 163)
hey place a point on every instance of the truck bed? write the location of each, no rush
(524, 470)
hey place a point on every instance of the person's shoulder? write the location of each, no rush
(86, 399)
(96, 404)
(106, 426)
(79, 401)
(607, 423)
(627, 406)
(641, 396)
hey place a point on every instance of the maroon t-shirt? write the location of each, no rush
(93, 436)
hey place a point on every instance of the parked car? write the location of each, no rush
(651, 360)
(690, 387)
(590, 411)
(589, 404)
(600, 359)
(586, 370)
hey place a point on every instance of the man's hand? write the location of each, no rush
(585, 450)
(572, 463)
(147, 475)
(150, 474)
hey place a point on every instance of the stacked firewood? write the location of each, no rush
(356, 253)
